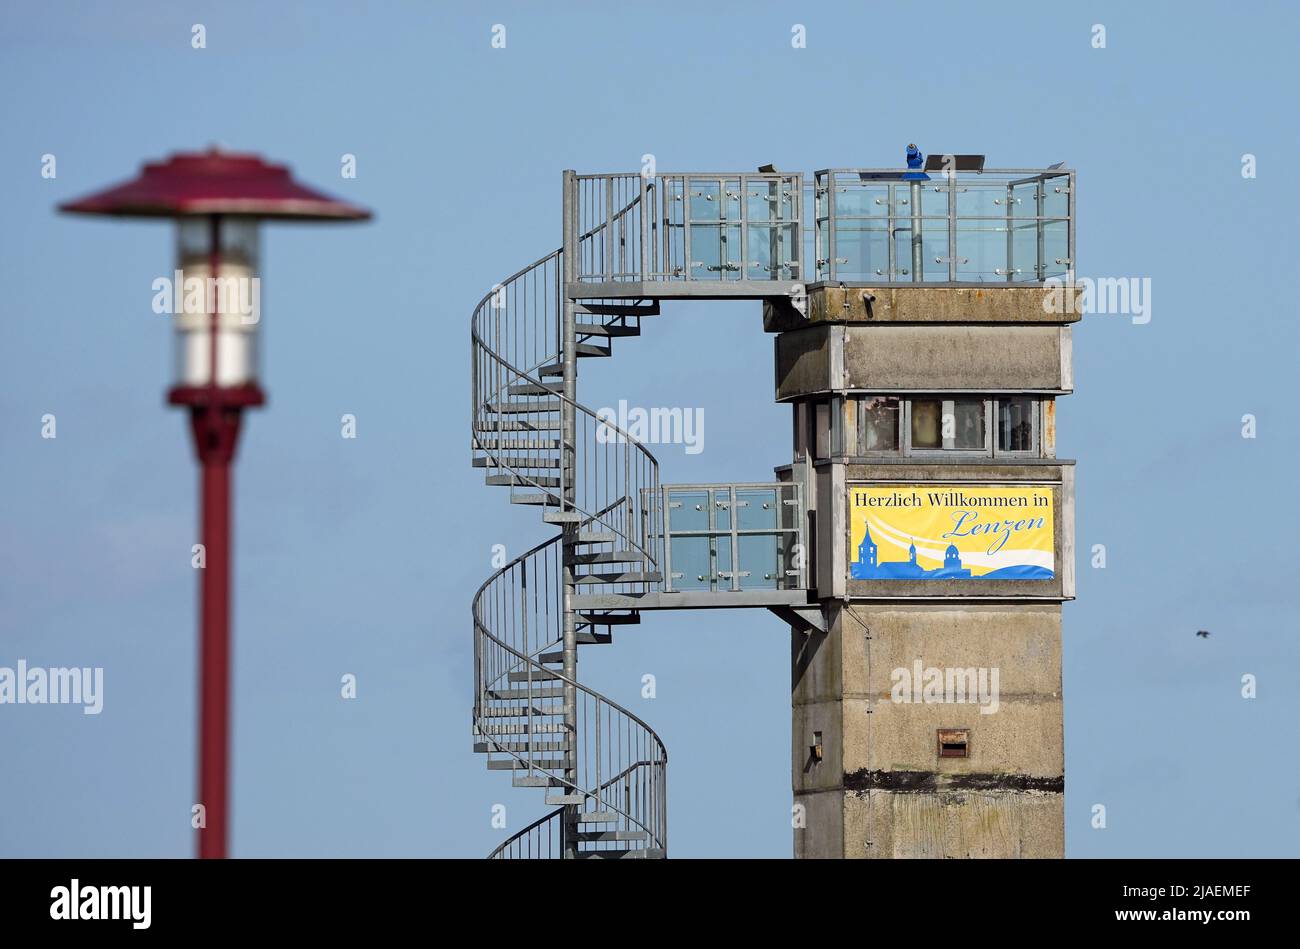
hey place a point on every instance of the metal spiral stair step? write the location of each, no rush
(537, 425)
(488, 747)
(536, 728)
(591, 836)
(536, 675)
(532, 388)
(517, 764)
(650, 308)
(516, 461)
(515, 695)
(538, 498)
(522, 408)
(484, 442)
(586, 637)
(610, 619)
(606, 556)
(582, 350)
(607, 329)
(634, 576)
(599, 817)
(520, 711)
(559, 800)
(562, 517)
(539, 481)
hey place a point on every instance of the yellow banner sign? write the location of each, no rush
(951, 532)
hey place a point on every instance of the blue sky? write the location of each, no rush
(360, 556)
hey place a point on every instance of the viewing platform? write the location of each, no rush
(766, 235)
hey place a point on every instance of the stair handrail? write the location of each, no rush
(644, 545)
(499, 852)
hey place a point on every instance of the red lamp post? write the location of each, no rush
(217, 199)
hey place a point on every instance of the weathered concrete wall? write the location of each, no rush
(918, 469)
(943, 358)
(822, 837)
(830, 572)
(954, 824)
(898, 797)
(818, 786)
(802, 362)
(910, 358)
(1011, 304)
(926, 304)
(1022, 643)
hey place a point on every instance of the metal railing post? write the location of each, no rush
(523, 620)
(830, 223)
(609, 229)
(629, 516)
(598, 771)
(1011, 234)
(796, 215)
(568, 434)
(666, 235)
(1070, 205)
(1039, 197)
(665, 527)
(734, 521)
(744, 226)
(891, 250)
(686, 228)
(645, 228)
(952, 225)
(918, 251)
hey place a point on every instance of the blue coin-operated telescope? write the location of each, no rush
(915, 164)
(915, 160)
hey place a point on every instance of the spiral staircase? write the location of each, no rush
(627, 244)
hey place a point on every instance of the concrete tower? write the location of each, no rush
(922, 370)
(919, 542)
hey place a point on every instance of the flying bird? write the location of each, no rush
(1203, 633)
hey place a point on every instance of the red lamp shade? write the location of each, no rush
(216, 182)
(217, 199)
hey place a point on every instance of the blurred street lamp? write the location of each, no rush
(217, 200)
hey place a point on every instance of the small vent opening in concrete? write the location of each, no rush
(954, 742)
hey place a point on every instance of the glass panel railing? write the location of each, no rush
(692, 227)
(750, 228)
(733, 537)
(1007, 226)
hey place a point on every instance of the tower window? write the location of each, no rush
(877, 424)
(1016, 424)
(948, 424)
(927, 423)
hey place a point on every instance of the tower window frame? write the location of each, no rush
(862, 425)
(1034, 418)
(854, 425)
(948, 404)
